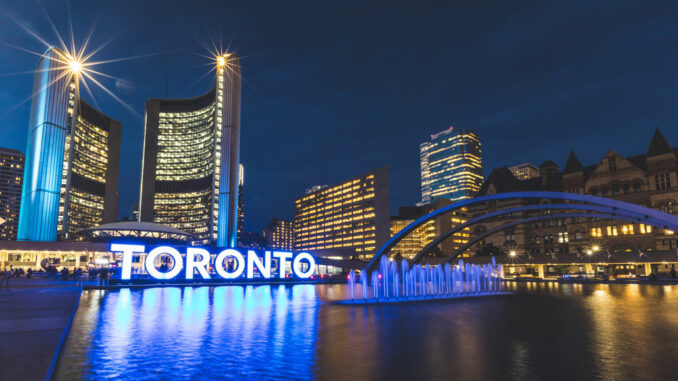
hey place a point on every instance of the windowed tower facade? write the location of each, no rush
(451, 166)
(189, 174)
(72, 158)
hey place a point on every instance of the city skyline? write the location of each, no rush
(605, 107)
(435, 189)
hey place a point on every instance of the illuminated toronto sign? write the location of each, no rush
(228, 263)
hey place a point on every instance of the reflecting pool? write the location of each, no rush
(543, 331)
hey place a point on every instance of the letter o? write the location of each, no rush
(150, 258)
(219, 264)
(296, 265)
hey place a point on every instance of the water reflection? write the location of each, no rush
(189, 333)
(544, 331)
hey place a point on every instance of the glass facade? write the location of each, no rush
(44, 152)
(415, 241)
(190, 162)
(184, 171)
(86, 162)
(347, 215)
(280, 234)
(412, 243)
(451, 166)
(72, 158)
(11, 175)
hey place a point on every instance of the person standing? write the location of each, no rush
(103, 274)
(5, 279)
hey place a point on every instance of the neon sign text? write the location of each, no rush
(199, 259)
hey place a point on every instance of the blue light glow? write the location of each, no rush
(253, 260)
(296, 265)
(127, 251)
(200, 265)
(219, 264)
(283, 257)
(158, 251)
(240, 265)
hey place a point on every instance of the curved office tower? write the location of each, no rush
(72, 157)
(189, 174)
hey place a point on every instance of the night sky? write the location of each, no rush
(333, 89)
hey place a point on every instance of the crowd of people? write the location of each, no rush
(51, 272)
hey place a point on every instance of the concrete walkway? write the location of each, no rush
(33, 317)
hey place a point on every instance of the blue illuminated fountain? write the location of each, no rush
(396, 282)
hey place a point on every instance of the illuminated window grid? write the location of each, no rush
(188, 211)
(11, 176)
(338, 216)
(282, 235)
(186, 144)
(90, 151)
(451, 166)
(67, 149)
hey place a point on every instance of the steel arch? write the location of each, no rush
(511, 224)
(460, 227)
(667, 221)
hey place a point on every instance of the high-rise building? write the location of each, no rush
(280, 234)
(11, 175)
(189, 175)
(525, 171)
(353, 214)
(451, 165)
(72, 157)
(241, 201)
(415, 241)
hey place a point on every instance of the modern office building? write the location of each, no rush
(11, 176)
(525, 171)
(415, 241)
(353, 214)
(72, 157)
(189, 175)
(280, 234)
(451, 165)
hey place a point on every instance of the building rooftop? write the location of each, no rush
(137, 225)
(135, 229)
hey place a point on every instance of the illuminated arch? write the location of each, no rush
(651, 216)
(511, 224)
(590, 208)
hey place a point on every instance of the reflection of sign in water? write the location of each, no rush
(198, 259)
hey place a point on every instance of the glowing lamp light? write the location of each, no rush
(75, 66)
(101, 262)
(589, 252)
(221, 61)
(513, 253)
(595, 248)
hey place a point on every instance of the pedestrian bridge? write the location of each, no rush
(553, 205)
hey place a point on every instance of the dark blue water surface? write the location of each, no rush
(545, 331)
